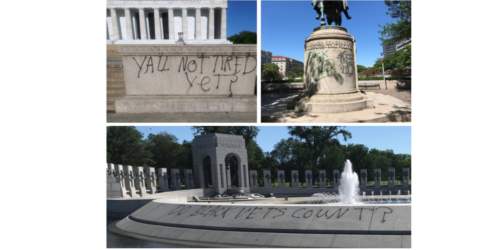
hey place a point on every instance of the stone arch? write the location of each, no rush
(219, 147)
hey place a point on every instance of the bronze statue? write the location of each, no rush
(332, 10)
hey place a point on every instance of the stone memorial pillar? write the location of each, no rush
(223, 24)
(175, 178)
(295, 178)
(281, 178)
(157, 24)
(309, 178)
(163, 179)
(390, 178)
(254, 178)
(406, 177)
(185, 23)
(322, 178)
(198, 24)
(150, 179)
(112, 184)
(336, 179)
(330, 73)
(129, 181)
(140, 181)
(188, 178)
(120, 177)
(171, 26)
(363, 179)
(142, 24)
(128, 24)
(211, 26)
(267, 178)
(378, 175)
(114, 22)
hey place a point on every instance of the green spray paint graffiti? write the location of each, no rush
(323, 67)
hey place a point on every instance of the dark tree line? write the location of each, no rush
(311, 148)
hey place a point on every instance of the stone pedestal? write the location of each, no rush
(188, 178)
(140, 181)
(281, 178)
(113, 187)
(295, 178)
(363, 179)
(163, 179)
(130, 181)
(309, 178)
(191, 78)
(406, 177)
(150, 179)
(120, 177)
(378, 176)
(330, 73)
(336, 178)
(175, 178)
(268, 178)
(254, 178)
(391, 177)
(322, 178)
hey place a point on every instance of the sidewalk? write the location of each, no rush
(391, 105)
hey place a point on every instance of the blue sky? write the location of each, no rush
(397, 138)
(286, 25)
(241, 15)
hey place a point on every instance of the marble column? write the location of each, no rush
(198, 24)
(157, 24)
(128, 24)
(171, 29)
(142, 24)
(223, 25)
(211, 27)
(114, 23)
(185, 24)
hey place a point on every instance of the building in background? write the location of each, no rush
(265, 57)
(285, 64)
(160, 22)
(391, 49)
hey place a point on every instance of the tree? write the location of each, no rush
(317, 138)
(361, 68)
(270, 72)
(164, 149)
(299, 71)
(401, 30)
(125, 146)
(244, 37)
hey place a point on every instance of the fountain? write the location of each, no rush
(349, 185)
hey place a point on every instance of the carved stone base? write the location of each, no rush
(177, 104)
(334, 103)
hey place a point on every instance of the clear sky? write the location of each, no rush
(241, 15)
(397, 138)
(286, 25)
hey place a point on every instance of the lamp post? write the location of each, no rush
(383, 70)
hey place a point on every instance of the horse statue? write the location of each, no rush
(332, 10)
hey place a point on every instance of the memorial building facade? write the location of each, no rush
(164, 21)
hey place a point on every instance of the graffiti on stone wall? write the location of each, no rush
(322, 67)
(248, 213)
(205, 72)
(346, 63)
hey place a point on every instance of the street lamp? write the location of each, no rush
(383, 71)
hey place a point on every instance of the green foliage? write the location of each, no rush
(244, 37)
(401, 29)
(401, 59)
(161, 143)
(298, 71)
(125, 146)
(271, 72)
(361, 68)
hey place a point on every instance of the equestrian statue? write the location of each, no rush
(332, 10)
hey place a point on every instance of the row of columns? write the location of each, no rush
(126, 181)
(268, 178)
(158, 31)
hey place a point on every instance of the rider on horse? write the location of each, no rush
(339, 6)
